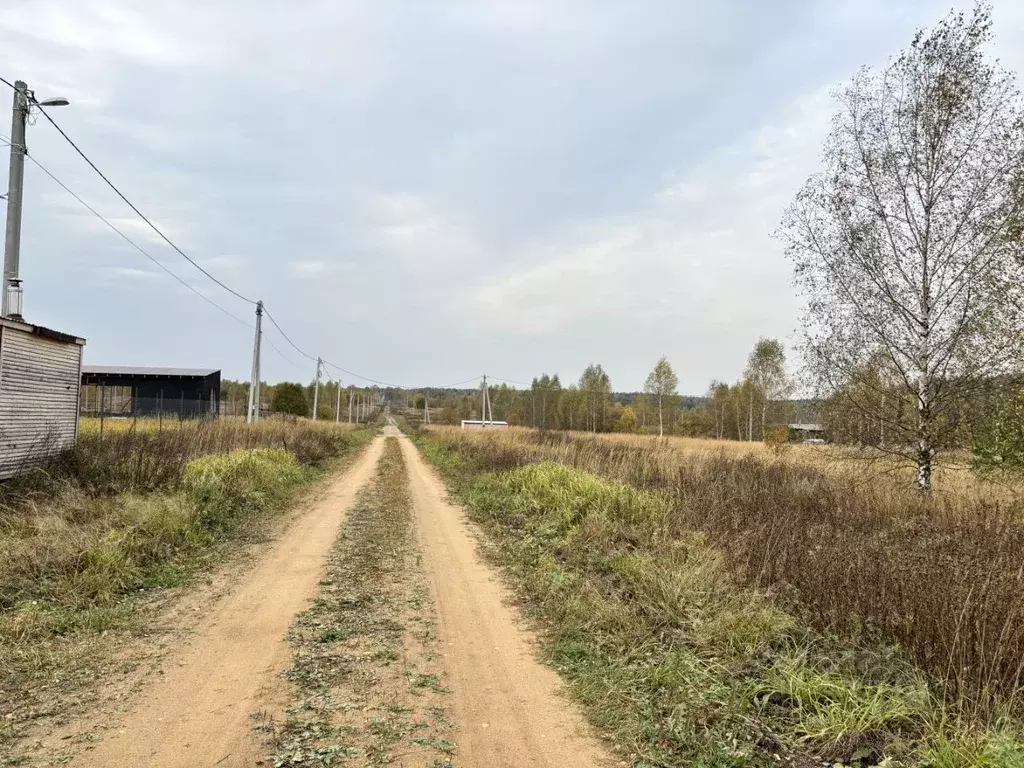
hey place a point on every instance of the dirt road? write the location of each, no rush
(198, 714)
(505, 702)
(504, 705)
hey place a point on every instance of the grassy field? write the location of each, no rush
(84, 540)
(953, 475)
(721, 606)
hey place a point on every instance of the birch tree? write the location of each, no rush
(907, 244)
(766, 372)
(718, 399)
(597, 388)
(662, 383)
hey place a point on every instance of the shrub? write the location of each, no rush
(777, 440)
(231, 486)
(291, 399)
(999, 441)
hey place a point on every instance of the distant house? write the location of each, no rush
(39, 387)
(800, 432)
(128, 390)
(478, 424)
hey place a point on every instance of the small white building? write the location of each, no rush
(478, 424)
(40, 378)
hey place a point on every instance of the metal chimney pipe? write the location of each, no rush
(14, 297)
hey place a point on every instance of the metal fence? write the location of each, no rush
(126, 405)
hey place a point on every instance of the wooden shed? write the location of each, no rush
(40, 375)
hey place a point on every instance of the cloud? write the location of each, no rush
(676, 257)
(306, 269)
(130, 273)
(446, 187)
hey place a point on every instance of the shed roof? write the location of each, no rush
(807, 427)
(41, 330)
(143, 370)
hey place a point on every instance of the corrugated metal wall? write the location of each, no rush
(39, 380)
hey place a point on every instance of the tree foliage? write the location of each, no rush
(662, 383)
(906, 245)
(596, 387)
(290, 398)
(999, 441)
(766, 375)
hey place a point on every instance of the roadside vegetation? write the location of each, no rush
(86, 540)
(741, 610)
(366, 678)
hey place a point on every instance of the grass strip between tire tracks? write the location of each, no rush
(367, 684)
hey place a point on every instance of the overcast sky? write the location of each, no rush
(425, 191)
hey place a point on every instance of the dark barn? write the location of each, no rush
(123, 390)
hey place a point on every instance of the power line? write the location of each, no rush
(532, 385)
(396, 386)
(456, 384)
(284, 357)
(191, 261)
(364, 378)
(132, 205)
(141, 250)
(509, 381)
(280, 330)
(160, 264)
(135, 245)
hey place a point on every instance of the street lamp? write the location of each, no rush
(24, 101)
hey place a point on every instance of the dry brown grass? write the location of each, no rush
(855, 547)
(953, 477)
(89, 544)
(121, 510)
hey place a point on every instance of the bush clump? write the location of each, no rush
(226, 488)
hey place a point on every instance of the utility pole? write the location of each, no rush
(426, 411)
(483, 402)
(24, 100)
(15, 186)
(350, 405)
(337, 405)
(253, 414)
(316, 389)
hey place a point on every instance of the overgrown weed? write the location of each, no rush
(940, 577)
(670, 611)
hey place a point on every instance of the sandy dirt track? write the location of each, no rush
(197, 715)
(505, 702)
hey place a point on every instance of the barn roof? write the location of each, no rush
(143, 370)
